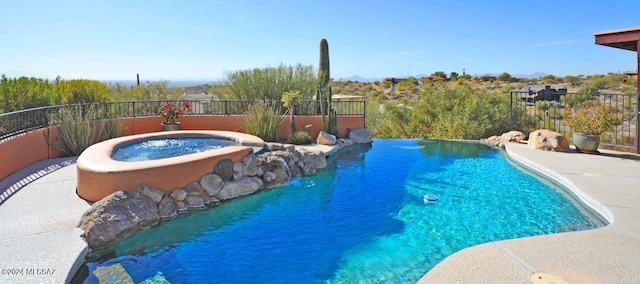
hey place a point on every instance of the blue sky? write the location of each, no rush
(177, 40)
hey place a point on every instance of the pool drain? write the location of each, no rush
(546, 278)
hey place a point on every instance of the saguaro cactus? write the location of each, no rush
(324, 89)
(323, 67)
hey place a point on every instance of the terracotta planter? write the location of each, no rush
(171, 126)
(586, 143)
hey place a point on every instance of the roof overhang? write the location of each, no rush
(626, 39)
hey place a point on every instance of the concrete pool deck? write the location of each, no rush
(39, 240)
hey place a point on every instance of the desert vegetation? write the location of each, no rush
(440, 106)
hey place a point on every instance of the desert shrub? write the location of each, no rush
(78, 130)
(573, 100)
(262, 121)
(269, 83)
(148, 91)
(457, 112)
(300, 138)
(23, 93)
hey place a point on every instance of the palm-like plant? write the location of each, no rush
(290, 99)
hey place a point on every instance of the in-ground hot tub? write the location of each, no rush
(100, 175)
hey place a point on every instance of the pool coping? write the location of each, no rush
(606, 183)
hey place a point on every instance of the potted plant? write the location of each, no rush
(588, 123)
(171, 113)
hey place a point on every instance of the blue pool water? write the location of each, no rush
(363, 219)
(155, 149)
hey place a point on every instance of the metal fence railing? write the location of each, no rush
(530, 111)
(15, 123)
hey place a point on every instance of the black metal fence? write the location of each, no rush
(530, 111)
(18, 122)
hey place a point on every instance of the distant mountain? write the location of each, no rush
(356, 78)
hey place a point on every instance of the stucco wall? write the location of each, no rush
(23, 150)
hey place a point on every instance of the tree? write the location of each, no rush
(454, 76)
(290, 99)
(440, 74)
(504, 77)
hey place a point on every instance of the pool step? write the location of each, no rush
(112, 274)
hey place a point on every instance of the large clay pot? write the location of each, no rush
(171, 126)
(586, 143)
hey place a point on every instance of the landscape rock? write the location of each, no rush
(116, 217)
(325, 138)
(179, 194)
(250, 170)
(194, 189)
(167, 208)
(268, 176)
(211, 183)
(153, 193)
(360, 135)
(250, 159)
(193, 201)
(210, 200)
(224, 169)
(181, 206)
(493, 141)
(308, 169)
(511, 137)
(316, 158)
(241, 187)
(548, 140)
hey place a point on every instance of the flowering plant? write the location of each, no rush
(170, 112)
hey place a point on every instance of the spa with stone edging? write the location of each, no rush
(99, 175)
(221, 179)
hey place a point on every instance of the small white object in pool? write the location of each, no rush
(430, 198)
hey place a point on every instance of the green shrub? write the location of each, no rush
(450, 112)
(78, 130)
(269, 83)
(300, 138)
(262, 121)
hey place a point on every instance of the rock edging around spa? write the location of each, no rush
(125, 213)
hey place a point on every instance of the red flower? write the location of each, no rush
(170, 113)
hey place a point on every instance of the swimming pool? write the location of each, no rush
(162, 148)
(363, 218)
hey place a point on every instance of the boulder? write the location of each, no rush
(360, 135)
(325, 138)
(268, 176)
(210, 200)
(511, 137)
(250, 159)
(181, 205)
(153, 193)
(316, 158)
(167, 208)
(193, 201)
(224, 169)
(493, 141)
(241, 187)
(116, 217)
(179, 194)
(211, 183)
(548, 140)
(308, 169)
(250, 170)
(194, 189)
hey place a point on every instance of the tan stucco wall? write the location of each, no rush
(23, 150)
